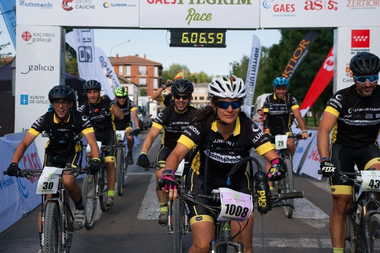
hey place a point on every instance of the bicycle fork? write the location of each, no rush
(224, 240)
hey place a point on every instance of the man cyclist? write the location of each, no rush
(280, 108)
(356, 112)
(64, 127)
(101, 112)
(222, 135)
(129, 110)
(173, 119)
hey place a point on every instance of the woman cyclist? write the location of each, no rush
(222, 135)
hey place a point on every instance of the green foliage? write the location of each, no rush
(71, 65)
(273, 61)
(174, 69)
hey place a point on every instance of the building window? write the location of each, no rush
(142, 81)
(155, 83)
(201, 98)
(142, 70)
(121, 70)
(128, 70)
(155, 71)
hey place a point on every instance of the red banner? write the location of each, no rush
(320, 82)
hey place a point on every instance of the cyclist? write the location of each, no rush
(63, 125)
(163, 94)
(100, 111)
(356, 112)
(129, 110)
(280, 108)
(222, 135)
(173, 119)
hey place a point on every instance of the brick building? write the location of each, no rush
(139, 70)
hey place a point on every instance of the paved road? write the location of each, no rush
(131, 226)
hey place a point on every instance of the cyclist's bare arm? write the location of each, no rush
(24, 144)
(152, 134)
(91, 140)
(299, 119)
(327, 123)
(134, 117)
(156, 95)
(117, 112)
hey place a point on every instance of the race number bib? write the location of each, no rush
(180, 168)
(371, 180)
(281, 141)
(49, 180)
(88, 148)
(120, 134)
(235, 205)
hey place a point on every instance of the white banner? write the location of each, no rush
(106, 69)
(301, 151)
(199, 14)
(348, 42)
(253, 69)
(17, 194)
(38, 69)
(85, 13)
(318, 13)
(311, 164)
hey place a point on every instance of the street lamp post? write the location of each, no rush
(119, 44)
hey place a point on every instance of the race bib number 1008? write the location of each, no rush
(49, 180)
(235, 205)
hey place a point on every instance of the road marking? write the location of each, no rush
(149, 206)
(273, 242)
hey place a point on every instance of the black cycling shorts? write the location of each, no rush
(60, 161)
(107, 138)
(195, 184)
(345, 158)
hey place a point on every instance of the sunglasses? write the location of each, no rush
(224, 104)
(183, 97)
(363, 79)
(122, 97)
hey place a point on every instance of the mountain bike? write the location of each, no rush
(94, 191)
(56, 215)
(285, 185)
(121, 164)
(362, 223)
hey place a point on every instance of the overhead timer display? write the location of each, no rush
(197, 38)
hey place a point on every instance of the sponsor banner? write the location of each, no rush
(318, 13)
(37, 71)
(95, 13)
(199, 14)
(348, 42)
(299, 53)
(106, 68)
(17, 194)
(253, 69)
(8, 11)
(311, 164)
(320, 82)
(301, 151)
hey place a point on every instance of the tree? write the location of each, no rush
(174, 69)
(4, 55)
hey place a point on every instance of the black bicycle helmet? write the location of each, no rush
(364, 63)
(182, 87)
(92, 85)
(62, 92)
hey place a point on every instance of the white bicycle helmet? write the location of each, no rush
(226, 87)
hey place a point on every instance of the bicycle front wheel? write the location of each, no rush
(120, 163)
(52, 229)
(91, 201)
(288, 186)
(102, 189)
(179, 214)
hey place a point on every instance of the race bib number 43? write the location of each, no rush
(371, 180)
(235, 205)
(49, 180)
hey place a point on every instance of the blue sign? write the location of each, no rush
(24, 99)
(8, 11)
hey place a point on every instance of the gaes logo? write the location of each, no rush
(360, 38)
(26, 36)
(66, 5)
(317, 5)
(284, 8)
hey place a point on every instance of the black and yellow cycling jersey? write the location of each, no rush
(127, 108)
(279, 115)
(63, 135)
(358, 117)
(99, 114)
(220, 154)
(173, 123)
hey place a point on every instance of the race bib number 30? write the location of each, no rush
(235, 205)
(49, 180)
(371, 180)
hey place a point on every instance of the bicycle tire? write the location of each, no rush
(69, 228)
(102, 189)
(52, 229)
(91, 201)
(288, 185)
(120, 161)
(351, 236)
(178, 214)
(369, 231)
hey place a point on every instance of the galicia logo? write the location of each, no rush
(26, 36)
(66, 5)
(38, 68)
